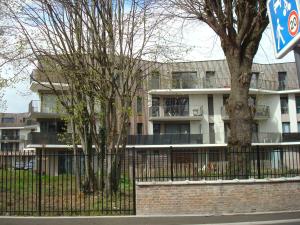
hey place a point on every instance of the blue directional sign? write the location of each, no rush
(284, 19)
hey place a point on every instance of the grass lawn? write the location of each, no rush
(23, 192)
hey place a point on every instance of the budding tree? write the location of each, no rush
(90, 54)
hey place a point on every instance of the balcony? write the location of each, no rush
(38, 138)
(175, 113)
(12, 138)
(262, 113)
(39, 110)
(165, 139)
(223, 82)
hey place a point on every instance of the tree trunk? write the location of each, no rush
(240, 115)
(90, 180)
(76, 156)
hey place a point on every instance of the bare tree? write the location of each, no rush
(239, 25)
(90, 54)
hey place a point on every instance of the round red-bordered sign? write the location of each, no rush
(293, 23)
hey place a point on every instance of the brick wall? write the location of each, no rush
(167, 198)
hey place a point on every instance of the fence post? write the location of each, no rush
(258, 162)
(133, 181)
(171, 155)
(40, 152)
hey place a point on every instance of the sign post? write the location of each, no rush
(284, 19)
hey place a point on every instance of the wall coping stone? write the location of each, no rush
(219, 182)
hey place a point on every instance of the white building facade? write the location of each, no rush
(190, 98)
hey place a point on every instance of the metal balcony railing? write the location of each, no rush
(176, 111)
(224, 82)
(36, 106)
(261, 112)
(35, 138)
(12, 137)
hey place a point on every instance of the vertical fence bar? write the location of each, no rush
(133, 181)
(171, 163)
(40, 183)
(258, 162)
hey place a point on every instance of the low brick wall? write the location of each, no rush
(217, 197)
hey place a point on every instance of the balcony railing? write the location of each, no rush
(36, 106)
(49, 138)
(36, 138)
(261, 112)
(224, 82)
(165, 139)
(12, 137)
(175, 111)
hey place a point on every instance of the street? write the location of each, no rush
(241, 219)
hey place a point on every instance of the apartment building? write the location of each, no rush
(190, 97)
(14, 130)
(184, 103)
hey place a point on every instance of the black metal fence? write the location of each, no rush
(57, 183)
(218, 163)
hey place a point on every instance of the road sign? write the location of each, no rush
(284, 19)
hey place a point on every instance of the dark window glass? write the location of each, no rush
(210, 105)
(286, 127)
(298, 104)
(177, 128)
(176, 106)
(154, 80)
(139, 128)
(254, 80)
(8, 120)
(184, 80)
(139, 105)
(210, 80)
(211, 133)
(156, 128)
(281, 80)
(284, 105)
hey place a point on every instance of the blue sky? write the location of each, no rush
(202, 41)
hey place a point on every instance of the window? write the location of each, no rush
(139, 82)
(284, 105)
(254, 80)
(210, 105)
(210, 79)
(7, 147)
(10, 134)
(155, 107)
(285, 127)
(184, 80)
(211, 133)
(177, 128)
(156, 128)
(281, 80)
(139, 105)
(8, 120)
(298, 104)
(139, 128)
(52, 126)
(225, 99)
(154, 80)
(176, 106)
(49, 103)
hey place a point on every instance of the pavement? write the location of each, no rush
(283, 218)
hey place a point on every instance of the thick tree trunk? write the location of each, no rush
(241, 118)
